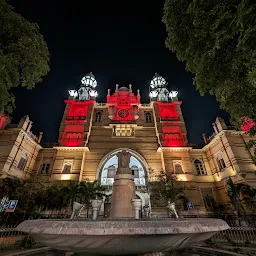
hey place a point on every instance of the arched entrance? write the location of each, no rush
(106, 172)
(108, 166)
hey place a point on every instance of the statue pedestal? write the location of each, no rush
(123, 193)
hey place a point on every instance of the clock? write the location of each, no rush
(123, 113)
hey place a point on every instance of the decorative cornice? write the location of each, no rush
(72, 148)
(218, 136)
(10, 131)
(180, 149)
(29, 139)
(49, 149)
(197, 150)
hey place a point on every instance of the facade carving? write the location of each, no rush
(93, 135)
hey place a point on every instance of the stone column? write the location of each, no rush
(123, 193)
(123, 188)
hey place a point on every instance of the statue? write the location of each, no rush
(123, 162)
(172, 210)
(77, 208)
(83, 93)
(123, 159)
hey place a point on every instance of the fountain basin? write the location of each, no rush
(121, 236)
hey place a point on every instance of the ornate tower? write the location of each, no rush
(170, 124)
(123, 105)
(77, 115)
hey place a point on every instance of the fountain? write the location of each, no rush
(123, 233)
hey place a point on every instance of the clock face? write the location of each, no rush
(123, 113)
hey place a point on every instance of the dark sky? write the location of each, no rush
(120, 42)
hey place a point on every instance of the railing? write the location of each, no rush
(76, 117)
(236, 235)
(49, 144)
(169, 119)
(231, 127)
(123, 122)
(31, 135)
(9, 236)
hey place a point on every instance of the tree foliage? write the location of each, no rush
(242, 197)
(216, 39)
(165, 188)
(34, 196)
(24, 56)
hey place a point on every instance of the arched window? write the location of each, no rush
(148, 116)
(22, 163)
(135, 171)
(79, 112)
(199, 166)
(67, 166)
(221, 163)
(178, 169)
(98, 117)
(111, 171)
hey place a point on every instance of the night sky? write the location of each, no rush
(122, 42)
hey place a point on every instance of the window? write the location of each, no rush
(79, 112)
(67, 169)
(221, 163)
(148, 117)
(178, 169)
(199, 166)
(135, 171)
(98, 117)
(67, 166)
(44, 168)
(22, 163)
(111, 171)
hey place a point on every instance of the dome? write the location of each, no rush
(157, 81)
(89, 80)
(123, 89)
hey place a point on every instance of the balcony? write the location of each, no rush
(32, 136)
(76, 118)
(169, 119)
(123, 122)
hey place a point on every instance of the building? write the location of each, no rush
(19, 148)
(91, 134)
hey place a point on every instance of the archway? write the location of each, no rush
(109, 163)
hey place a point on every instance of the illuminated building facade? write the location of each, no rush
(91, 134)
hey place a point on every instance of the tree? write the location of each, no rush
(216, 40)
(24, 56)
(165, 188)
(8, 187)
(241, 197)
(90, 190)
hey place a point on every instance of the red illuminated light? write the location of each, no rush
(73, 134)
